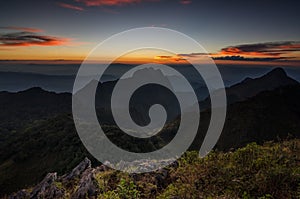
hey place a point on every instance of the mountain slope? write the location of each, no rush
(26, 106)
(270, 115)
(40, 138)
(268, 171)
(251, 87)
(41, 147)
(267, 116)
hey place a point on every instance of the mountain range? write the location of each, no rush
(38, 134)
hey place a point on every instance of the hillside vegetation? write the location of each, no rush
(271, 170)
(38, 136)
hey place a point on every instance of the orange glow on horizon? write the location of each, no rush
(145, 61)
(70, 55)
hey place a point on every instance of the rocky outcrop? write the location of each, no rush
(47, 188)
(81, 182)
(87, 186)
(22, 194)
(53, 187)
(78, 170)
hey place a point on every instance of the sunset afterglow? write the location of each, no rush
(58, 33)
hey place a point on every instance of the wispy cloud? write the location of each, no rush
(69, 6)
(193, 54)
(269, 49)
(263, 52)
(107, 2)
(166, 58)
(29, 37)
(241, 58)
(185, 2)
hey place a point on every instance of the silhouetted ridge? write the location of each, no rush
(247, 79)
(277, 72)
(250, 87)
(34, 90)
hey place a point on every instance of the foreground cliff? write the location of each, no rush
(268, 171)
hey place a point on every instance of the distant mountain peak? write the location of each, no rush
(250, 87)
(247, 79)
(34, 89)
(278, 72)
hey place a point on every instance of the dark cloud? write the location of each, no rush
(69, 6)
(269, 51)
(30, 39)
(107, 2)
(241, 58)
(263, 49)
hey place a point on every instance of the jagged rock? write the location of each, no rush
(47, 188)
(51, 192)
(22, 194)
(87, 186)
(81, 182)
(79, 169)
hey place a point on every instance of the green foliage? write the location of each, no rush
(127, 189)
(59, 185)
(109, 195)
(264, 171)
(124, 190)
(103, 179)
(43, 146)
(268, 171)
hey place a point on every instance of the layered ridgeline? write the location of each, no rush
(38, 134)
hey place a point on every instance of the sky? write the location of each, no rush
(231, 31)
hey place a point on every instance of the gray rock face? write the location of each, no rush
(79, 169)
(81, 182)
(47, 188)
(22, 194)
(87, 186)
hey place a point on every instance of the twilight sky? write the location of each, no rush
(252, 31)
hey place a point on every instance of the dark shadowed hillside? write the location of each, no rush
(251, 87)
(270, 115)
(40, 137)
(27, 106)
